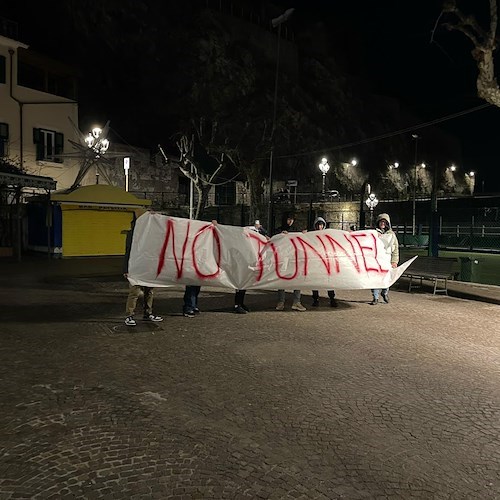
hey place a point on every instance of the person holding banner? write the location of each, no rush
(391, 245)
(190, 307)
(135, 290)
(319, 225)
(239, 296)
(286, 228)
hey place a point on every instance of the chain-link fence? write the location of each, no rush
(474, 229)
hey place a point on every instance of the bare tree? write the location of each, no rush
(484, 42)
(190, 165)
(239, 143)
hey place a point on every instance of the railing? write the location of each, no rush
(8, 28)
(480, 237)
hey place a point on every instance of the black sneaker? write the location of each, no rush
(239, 310)
(196, 311)
(188, 314)
(245, 307)
(374, 302)
(385, 297)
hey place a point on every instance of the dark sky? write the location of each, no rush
(429, 69)
(389, 44)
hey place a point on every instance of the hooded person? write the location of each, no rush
(391, 246)
(319, 225)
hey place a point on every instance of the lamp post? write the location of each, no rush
(371, 203)
(277, 21)
(324, 167)
(98, 145)
(415, 137)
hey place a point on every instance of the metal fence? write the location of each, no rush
(475, 229)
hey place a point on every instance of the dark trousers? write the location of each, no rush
(191, 298)
(331, 294)
(239, 297)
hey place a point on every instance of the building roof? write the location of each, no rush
(99, 194)
(26, 181)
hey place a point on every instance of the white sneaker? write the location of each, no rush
(298, 307)
(152, 317)
(130, 321)
(280, 306)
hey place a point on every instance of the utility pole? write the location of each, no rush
(277, 21)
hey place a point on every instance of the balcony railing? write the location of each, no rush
(8, 28)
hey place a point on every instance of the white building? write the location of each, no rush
(38, 113)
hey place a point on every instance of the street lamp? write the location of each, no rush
(324, 167)
(371, 203)
(277, 21)
(98, 145)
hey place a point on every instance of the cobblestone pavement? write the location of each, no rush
(359, 402)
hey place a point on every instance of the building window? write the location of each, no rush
(225, 194)
(3, 72)
(4, 138)
(49, 144)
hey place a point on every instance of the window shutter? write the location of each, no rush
(3, 73)
(4, 137)
(59, 146)
(4, 131)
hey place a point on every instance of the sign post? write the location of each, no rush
(126, 166)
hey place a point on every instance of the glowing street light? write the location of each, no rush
(354, 162)
(394, 165)
(452, 168)
(97, 143)
(324, 168)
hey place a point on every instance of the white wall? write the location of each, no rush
(39, 110)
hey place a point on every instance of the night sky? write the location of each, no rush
(388, 43)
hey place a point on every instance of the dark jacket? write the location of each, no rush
(285, 227)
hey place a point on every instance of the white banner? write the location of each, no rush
(169, 251)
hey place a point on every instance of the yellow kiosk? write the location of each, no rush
(95, 219)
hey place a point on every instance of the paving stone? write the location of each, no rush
(356, 403)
